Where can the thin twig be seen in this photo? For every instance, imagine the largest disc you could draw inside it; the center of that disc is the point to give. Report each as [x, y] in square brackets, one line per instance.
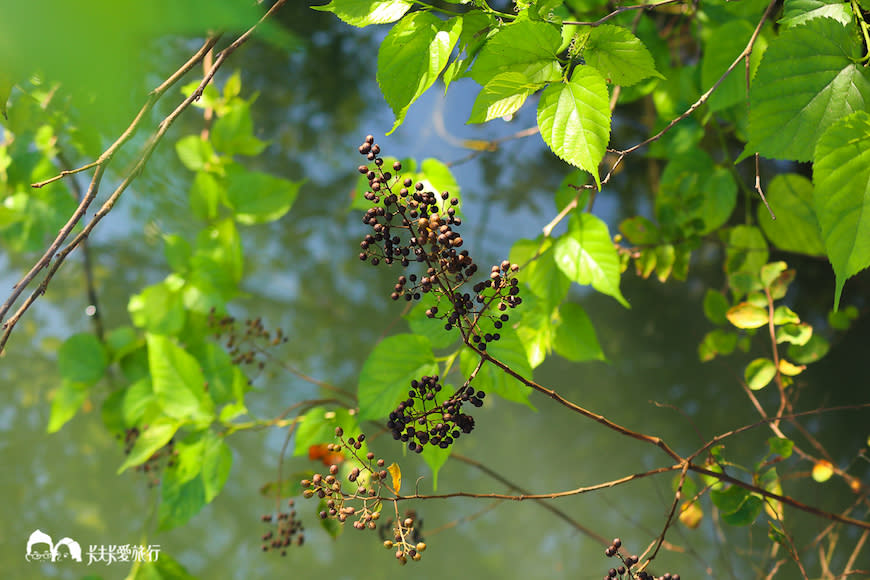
[619, 11]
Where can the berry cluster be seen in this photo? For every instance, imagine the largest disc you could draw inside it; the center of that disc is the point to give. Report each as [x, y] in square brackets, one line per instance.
[407, 538]
[367, 481]
[247, 345]
[151, 466]
[420, 419]
[289, 530]
[628, 562]
[409, 225]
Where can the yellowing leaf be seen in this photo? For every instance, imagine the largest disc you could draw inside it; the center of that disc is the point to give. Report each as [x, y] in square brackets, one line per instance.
[822, 471]
[789, 369]
[745, 315]
[691, 515]
[396, 475]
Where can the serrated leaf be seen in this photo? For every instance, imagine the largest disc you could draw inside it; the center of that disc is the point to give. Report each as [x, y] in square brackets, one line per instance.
[841, 198]
[586, 255]
[619, 55]
[177, 380]
[575, 337]
[720, 50]
[799, 11]
[759, 373]
[807, 81]
[412, 56]
[388, 372]
[745, 315]
[574, 119]
[796, 228]
[503, 95]
[362, 13]
[82, 358]
[525, 47]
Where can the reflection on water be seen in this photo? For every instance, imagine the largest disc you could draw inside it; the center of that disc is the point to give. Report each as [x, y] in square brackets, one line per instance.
[304, 277]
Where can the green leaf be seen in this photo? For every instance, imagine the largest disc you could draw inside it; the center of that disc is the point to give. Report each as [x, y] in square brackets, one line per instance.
[158, 309]
[759, 373]
[82, 358]
[695, 196]
[431, 328]
[730, 499]
[785, 315]
[318, 427]
[491, 379]
[640, 231]
[501, 96]
[808, 80]
[205, 193]
[189, 459]
[780, 446]
[412, 56]
[619, 55]
[137, 399]
[746, 251]
[164, 567]
[388, 371]
[814, 349]
[180, 500]
[217, 260]
[437, 177]
[841, 197]
[574, 119]
[362, 13]
[715, 343]
[542, 274]
[842, 319]
[178, 380]
[66, 401]
[152, 438]
[720, 50]
[746, 513]
[745, 315]
[177, 251]
[665, 258]
[435, 458]
[233, 132]
[535, 330]
[258, 198]
[195, 152]
[587, 256]
[796, 228]
[217, 461]
[715, 306]
[799, 11]
[524, 47]
[575, 335]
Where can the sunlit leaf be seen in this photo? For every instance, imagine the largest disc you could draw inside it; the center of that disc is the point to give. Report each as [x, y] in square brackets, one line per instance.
[574, 119]
[395, 477]
[790, 369]
[587, 256]
[65, 403]
[640, 231]
[619, 55]
[82, 358]
[841, 176]
[503, 95]
[152, 438]
[797, 334]
[524, 47]
[362, 13]
[815, 348]
[715, 343]
[259, 197]
[388, 371]
[745, 315]
[807, 81]
[538, 269]
[691, 514]
[822, 470]
[178, 380]
[799, 11]
[412, 56]
[509, 350]
[575, 337]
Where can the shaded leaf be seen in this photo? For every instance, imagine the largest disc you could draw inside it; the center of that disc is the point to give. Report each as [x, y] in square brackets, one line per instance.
[259, 197]
[388, 372]
[82, 358]
[575, 337]
[796, 228]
